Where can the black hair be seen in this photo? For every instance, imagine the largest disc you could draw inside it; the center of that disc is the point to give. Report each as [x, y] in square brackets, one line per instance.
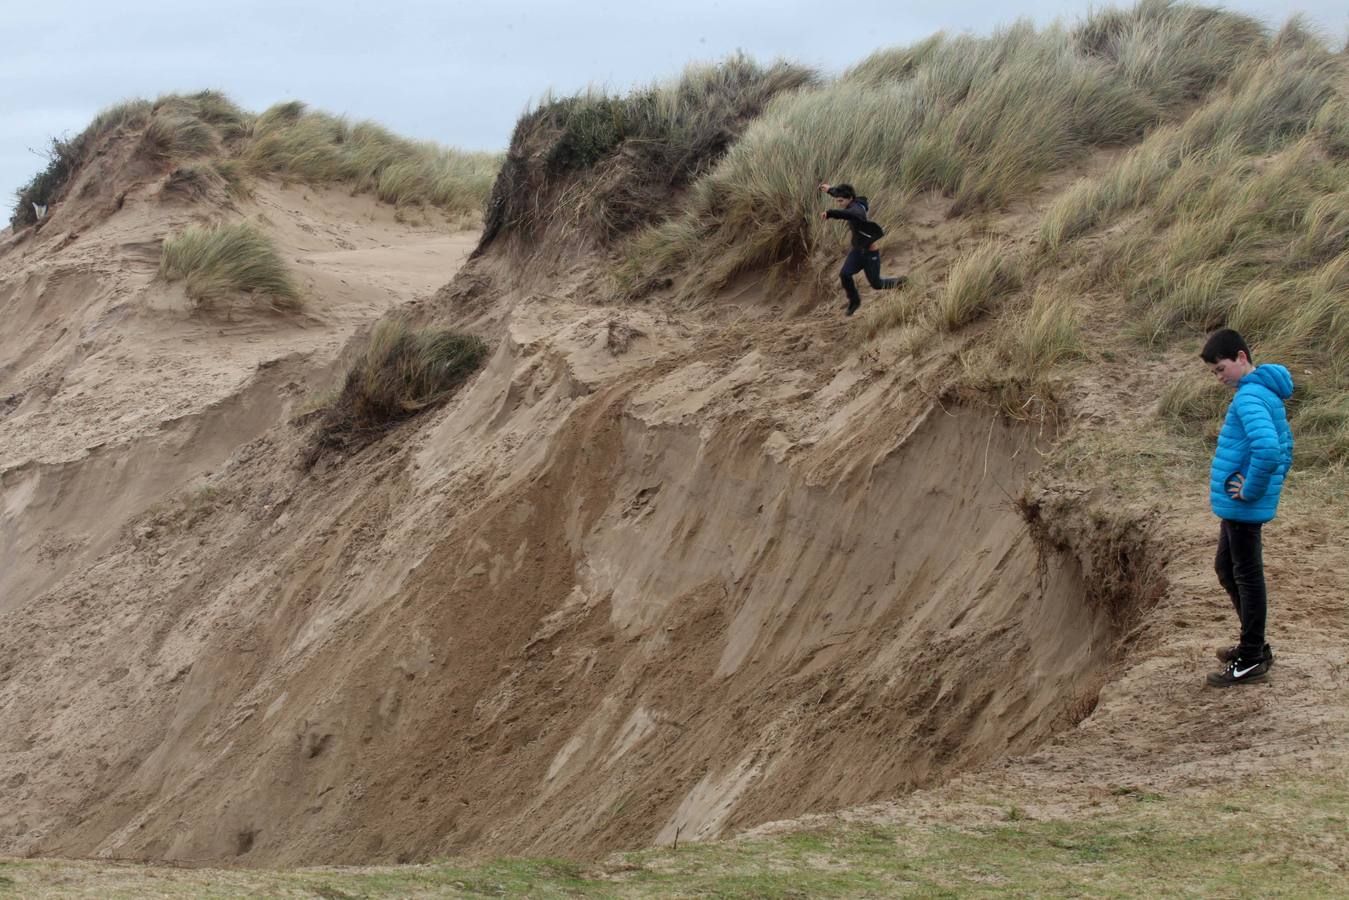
[1224, 344]
[843, 190]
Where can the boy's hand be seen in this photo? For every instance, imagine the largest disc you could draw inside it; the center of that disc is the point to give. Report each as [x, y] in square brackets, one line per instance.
[824, 186]
[824, 215]
[1234, 486]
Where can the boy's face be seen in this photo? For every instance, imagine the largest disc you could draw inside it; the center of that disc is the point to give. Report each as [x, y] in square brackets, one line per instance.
[842, 202]
[1231, 371]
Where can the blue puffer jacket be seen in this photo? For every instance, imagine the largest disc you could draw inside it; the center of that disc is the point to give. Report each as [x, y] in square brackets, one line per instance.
[1256, 442]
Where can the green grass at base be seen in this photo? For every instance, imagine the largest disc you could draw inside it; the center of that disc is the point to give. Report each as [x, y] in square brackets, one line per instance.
[1287, 838]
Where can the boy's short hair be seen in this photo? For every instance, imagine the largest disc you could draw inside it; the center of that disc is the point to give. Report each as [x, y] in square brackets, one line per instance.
[1225, 343]
[843, 190]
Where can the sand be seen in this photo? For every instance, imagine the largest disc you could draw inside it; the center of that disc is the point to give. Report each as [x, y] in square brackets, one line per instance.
[119, 392]
[654, 570]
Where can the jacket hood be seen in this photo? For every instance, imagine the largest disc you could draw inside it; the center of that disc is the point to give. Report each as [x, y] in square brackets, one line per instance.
[861, 200]
[1274, 377]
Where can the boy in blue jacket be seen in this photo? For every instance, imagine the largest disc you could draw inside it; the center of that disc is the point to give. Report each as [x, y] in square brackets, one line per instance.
[1255, 449]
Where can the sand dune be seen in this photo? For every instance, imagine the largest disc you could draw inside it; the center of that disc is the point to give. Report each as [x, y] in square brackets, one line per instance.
[120, 393]
[667, 564]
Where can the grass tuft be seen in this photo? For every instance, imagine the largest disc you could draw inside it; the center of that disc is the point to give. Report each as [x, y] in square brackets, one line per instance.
[177, 137]
[908, 307]
[401, 372]
[1323, 431]
[1046, 335]
[975, 284]
[193, 181]
[1195, 401]
[224, 260]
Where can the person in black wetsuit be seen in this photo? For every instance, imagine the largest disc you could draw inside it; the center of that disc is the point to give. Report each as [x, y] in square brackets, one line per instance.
[864, 255]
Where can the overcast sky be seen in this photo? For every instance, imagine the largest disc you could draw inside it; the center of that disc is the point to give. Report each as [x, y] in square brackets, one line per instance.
[458, 73]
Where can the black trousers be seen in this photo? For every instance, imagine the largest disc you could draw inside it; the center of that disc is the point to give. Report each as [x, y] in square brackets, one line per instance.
[1241, 571]
[869, 262]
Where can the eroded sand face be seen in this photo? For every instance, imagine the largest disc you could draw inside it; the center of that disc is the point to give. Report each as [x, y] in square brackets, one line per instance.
[599, 598]
[118, 392]
[653, 571]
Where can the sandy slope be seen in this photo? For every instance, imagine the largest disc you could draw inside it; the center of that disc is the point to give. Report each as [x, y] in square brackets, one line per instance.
[653, 570]
[119, 393]
[604, 578]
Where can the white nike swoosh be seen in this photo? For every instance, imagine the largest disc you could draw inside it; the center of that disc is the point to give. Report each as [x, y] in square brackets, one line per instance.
[1238, 673]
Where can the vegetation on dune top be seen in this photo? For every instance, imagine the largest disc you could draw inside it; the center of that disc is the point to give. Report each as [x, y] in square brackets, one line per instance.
[1257, 244]
[320, 148]
[979, 119]
[174, 126]
[602, 165]
[286, 139]
[1238, 217]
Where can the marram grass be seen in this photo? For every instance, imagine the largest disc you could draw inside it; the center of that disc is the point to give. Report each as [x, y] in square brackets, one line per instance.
[981, 120]
[219, 261]
[402, 371]
[319, 148]
[287, 140]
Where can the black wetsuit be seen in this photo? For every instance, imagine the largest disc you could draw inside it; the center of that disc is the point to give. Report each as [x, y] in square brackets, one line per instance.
[860, 257]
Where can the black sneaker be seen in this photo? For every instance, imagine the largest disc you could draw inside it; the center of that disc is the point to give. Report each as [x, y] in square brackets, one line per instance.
[853, 306]
[1239, 672]
[1232, 653]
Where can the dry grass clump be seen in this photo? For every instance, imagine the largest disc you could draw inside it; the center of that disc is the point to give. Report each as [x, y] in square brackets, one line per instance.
[1195, 402]
[231, 172]
[978, 119]
[1323, 430]
[1231, 229]
[1276, 282]
[977, 281]
[1132, 183]
[187, 126]
[200, 179]
[1177, 50]
[212, 108]
[908, 307]
[320, 148]
[1016, 364]
[1045, 335]
[1268, 102]
[401, 372]
[1265, 252]
[178, 137]
[193, 181]
[225, 260]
